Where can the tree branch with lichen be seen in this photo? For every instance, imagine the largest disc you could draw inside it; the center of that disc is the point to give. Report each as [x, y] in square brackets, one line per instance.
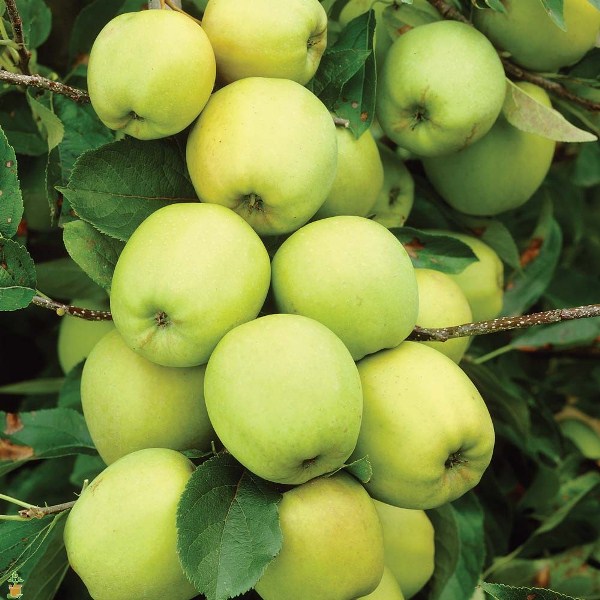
[516, 72]
[17, 27]
[43, 83]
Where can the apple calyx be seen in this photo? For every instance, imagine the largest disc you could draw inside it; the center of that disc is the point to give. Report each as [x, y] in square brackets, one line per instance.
[162, 319]
[309, 462]
[456, 459]
[253, 202]
[419, 114]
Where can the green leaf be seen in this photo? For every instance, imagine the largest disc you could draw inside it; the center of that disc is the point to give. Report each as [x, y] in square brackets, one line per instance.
[554, 8]
[70, 392]
[64, 278]
[50, 126]
[86, 467]
[42, 434]
[361, 469]
[118, 185]
[587, 166]
[395, 17]
[17, 276]
[21, 540]
[434, 251]
[581, 332]
[527, 114]
[19, 127]
[11, 201]
[44, 385]
[93, 251]
[595, 3]
[507, 592]
[37, 22]
[228, 528]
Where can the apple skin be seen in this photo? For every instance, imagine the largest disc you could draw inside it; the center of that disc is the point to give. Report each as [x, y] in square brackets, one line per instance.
[266, 38]
[482, 282]
[150, 73]
[352, 275]
[534, 40]
[293, 410]
[266, 148]
[77, 337]
[316, 561]
[130, 403]
[121, 535]
[388, 588]
[408, 541]
[396, 198]
[189, 273]
[359, 176]
[442, 304]
[429, 438]
[441, 88]
[499, 172]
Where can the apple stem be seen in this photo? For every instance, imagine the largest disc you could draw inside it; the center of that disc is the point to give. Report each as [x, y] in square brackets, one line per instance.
[15, 501]
[17, 27]
[449, 12]
[443, 334]
[39, 512]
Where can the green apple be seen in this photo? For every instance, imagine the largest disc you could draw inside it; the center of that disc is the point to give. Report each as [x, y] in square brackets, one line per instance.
[266, 38]
[408, 541]
[583, 436]
[292, 408]
[130, 403]
[121, 535]
[77, 337]
[388, 588]
[482, 282]
[266, 148]
[395, 200]
[441, 88]
[352, 275]
[442, 304]
[189, 273]
[150, 73]
[332, 543]
[534, 40]
[359, 176]
[425, 428]
[499, 172]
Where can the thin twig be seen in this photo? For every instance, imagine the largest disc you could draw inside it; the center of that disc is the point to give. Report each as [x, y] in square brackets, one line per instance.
[449, 12]
[39, 512]
[43, 83]
[443, 334]
[17, 27]
[340, 122]
[75, 311]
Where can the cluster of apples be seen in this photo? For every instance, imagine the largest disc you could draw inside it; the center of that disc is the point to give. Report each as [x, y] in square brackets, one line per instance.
[296, 364]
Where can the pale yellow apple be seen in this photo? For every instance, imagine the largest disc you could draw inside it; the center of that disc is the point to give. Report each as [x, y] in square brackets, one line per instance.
[121, 535]
[426, 429]
[130, 403]
[408, 540]
[352, 275]
[442, 303]
[150, 73]
[388, 588]
[267, 149]
[332, 543]
[359, 176]
[266, 38]
[77, 337]
[534, 40]
[499, 172]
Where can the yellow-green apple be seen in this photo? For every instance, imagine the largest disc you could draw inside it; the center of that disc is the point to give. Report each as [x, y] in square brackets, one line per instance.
[499, 172]
[266, 148]
[188, 274]
[352, 275]
[395, 200]
[77, 337]
[266, 38]
[293, 409]
[482, 282]
[121, 535]
[534, 40]
[441, 88]
[150, 73]
[425, 427]
[316, 560]
[388, 588]
[130, 403]
[408, 541]
[442, 304]
[358, 179]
